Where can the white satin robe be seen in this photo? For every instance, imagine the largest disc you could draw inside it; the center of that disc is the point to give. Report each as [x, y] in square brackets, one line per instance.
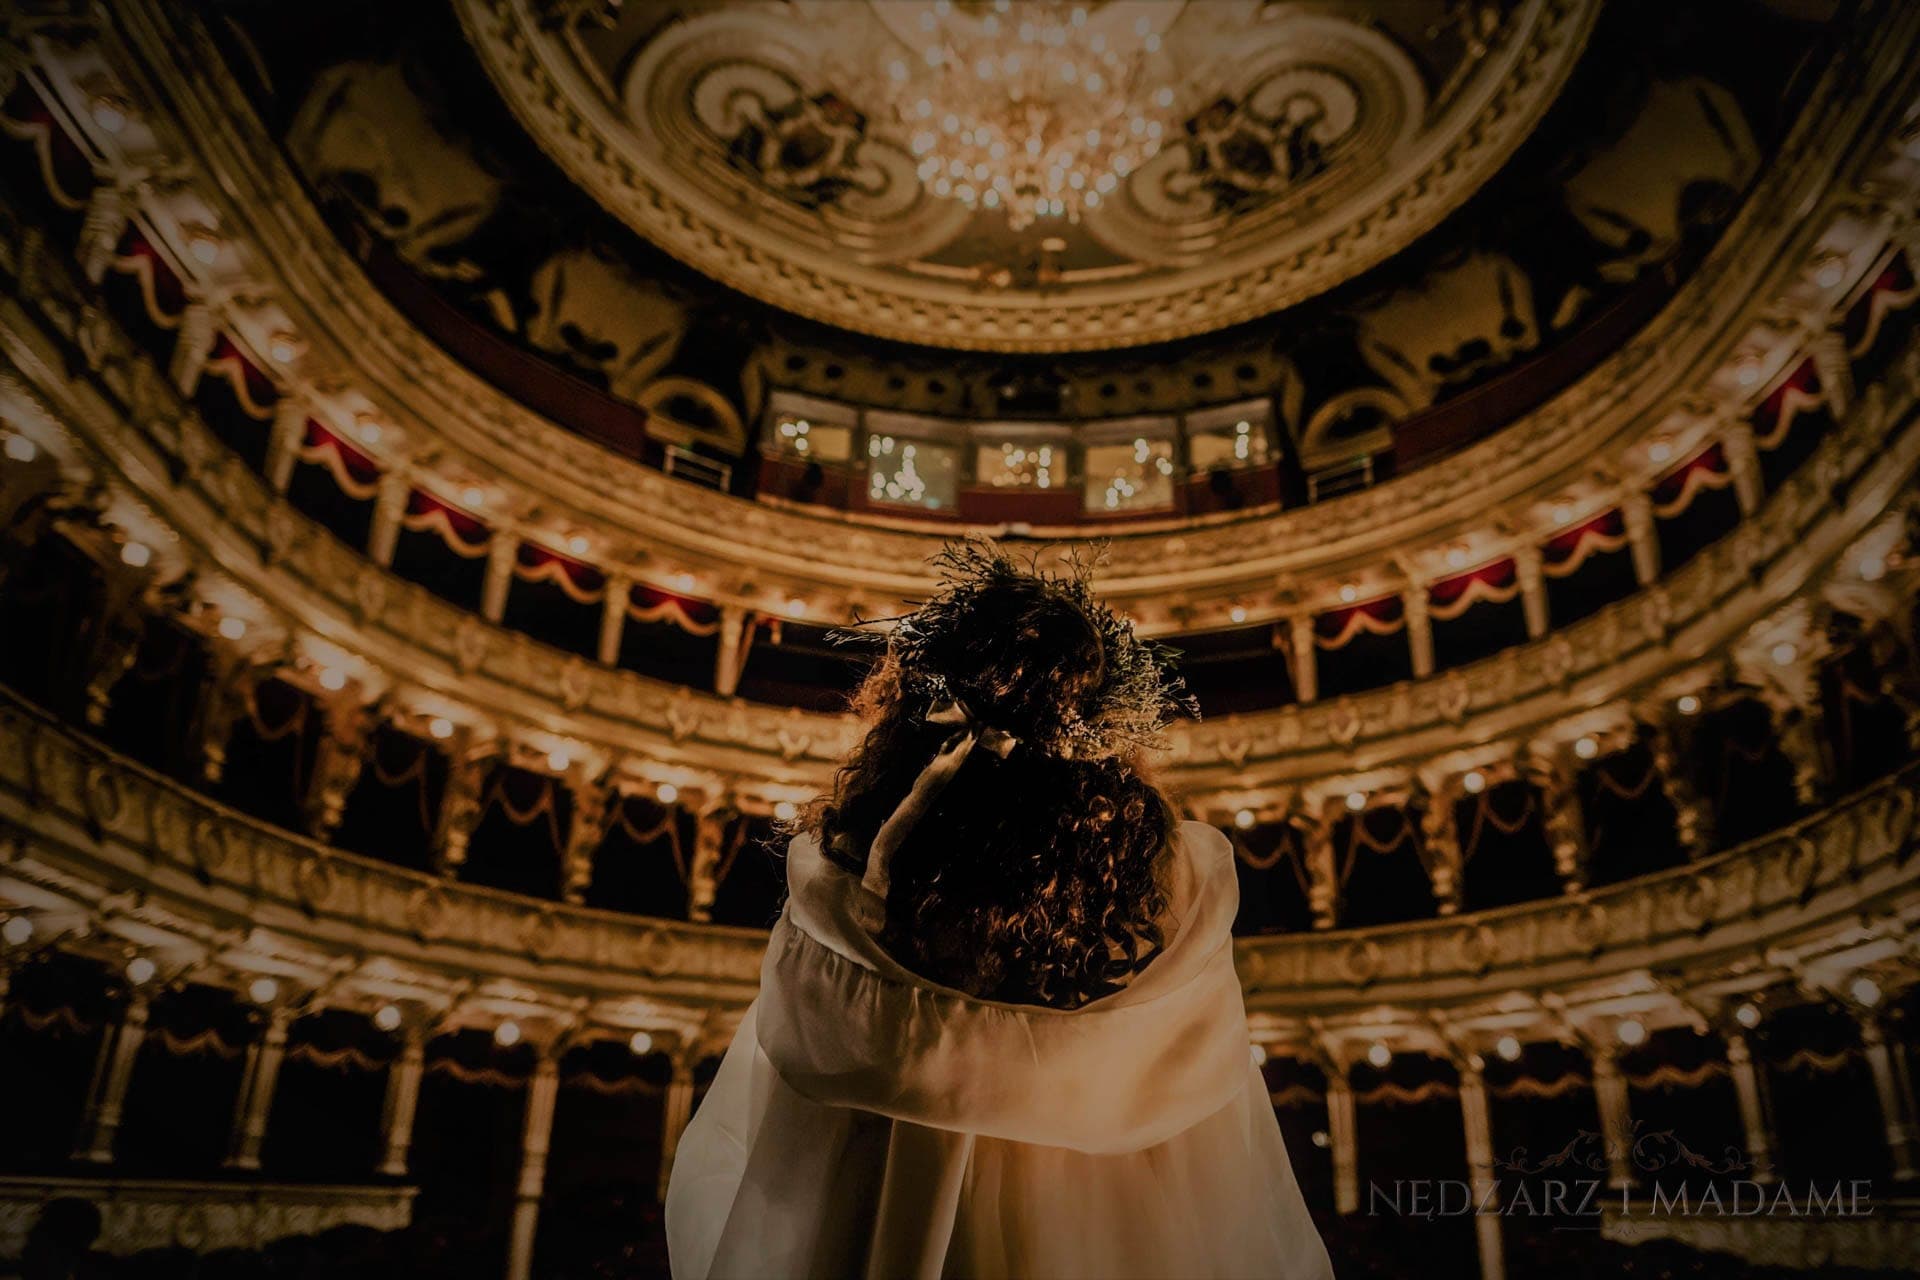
[868, 1123]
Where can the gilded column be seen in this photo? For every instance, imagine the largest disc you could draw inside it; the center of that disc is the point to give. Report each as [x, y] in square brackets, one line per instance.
[460, 807]
[1479, 1127]
[1440, 842]
[613, 619]
[727, 664]
[1750, 1092]
[536, 1135]
[1893, 1110]
[192, 344]
[101, 230]
[679, 1110]
[1323, 889]
[389, 509]
[1419, 628]
[402, 1100]
[1531, 571]
[1693, 818]
[1562, 817]
[592, 809]
[1616, 1121]
[1828, 348]
[257, 1082]
[283, 443]
[502, 551]
[112, 1072]
[339, 758]
[709, 842]
[1743, 462]
[1346, 1150]
[1643, 539]
[1306, 658]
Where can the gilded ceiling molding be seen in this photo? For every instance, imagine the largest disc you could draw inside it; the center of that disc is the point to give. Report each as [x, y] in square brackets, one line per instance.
[354, 339]
[1232, 278]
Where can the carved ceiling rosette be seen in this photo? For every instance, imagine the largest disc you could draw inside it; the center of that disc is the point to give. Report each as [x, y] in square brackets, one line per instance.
[808, 152]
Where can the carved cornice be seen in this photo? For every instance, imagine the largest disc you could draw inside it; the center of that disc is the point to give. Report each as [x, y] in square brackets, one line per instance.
[573, 122]
[355, 338]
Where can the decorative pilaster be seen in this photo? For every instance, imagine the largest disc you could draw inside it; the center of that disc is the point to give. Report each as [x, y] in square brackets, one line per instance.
[1306, 658]
[101, 230]
[107, 1096]
[389, 508]
[1797, 728]
[1419, 628]
[1344, 1139]
[283, 443]
[338, 760]
[192, 344]
[403, 1098]
[502, 551]
[613, 619]
[223, 700]
[1828, 350]
[592, 810]
[535, 1137]
[1751, 1093]
[679, 1110]
[1893, 1111]
[257, 1081]
[459, 811]
[728, 663]
[709, 843]
[1564, 822]
[1693, 819]
[1643, 539]
[1743, 463]
[1479, 1126]
[1323, 889]
[1440, 844]
[1531, 571]
[1616, 1121]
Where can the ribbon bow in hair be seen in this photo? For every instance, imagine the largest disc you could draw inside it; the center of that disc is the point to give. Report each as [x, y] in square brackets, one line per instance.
[967, 732]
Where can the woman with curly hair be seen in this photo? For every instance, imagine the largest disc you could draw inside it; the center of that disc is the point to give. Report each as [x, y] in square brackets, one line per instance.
[998, 1031]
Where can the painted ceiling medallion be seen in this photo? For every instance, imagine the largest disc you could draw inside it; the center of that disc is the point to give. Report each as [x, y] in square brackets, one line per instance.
[1166, 169]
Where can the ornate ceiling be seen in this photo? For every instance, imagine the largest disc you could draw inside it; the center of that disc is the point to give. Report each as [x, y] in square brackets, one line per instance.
[757, 144]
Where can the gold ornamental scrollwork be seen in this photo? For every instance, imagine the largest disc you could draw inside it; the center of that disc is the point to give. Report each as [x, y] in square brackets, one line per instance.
[208, 846]
[103, 798]
[313, 878]
[1896, 822]
[539, 931]
[1360, 962]
[1479, 949]
[1589, 927]
[427, 912]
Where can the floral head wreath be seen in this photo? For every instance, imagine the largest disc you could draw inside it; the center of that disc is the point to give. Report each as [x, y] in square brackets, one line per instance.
[1136, 699]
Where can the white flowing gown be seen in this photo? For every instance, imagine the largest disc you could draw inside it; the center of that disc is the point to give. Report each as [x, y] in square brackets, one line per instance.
[866, 1122]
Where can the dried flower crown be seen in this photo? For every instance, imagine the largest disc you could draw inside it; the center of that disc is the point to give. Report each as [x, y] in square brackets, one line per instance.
[1137, 698]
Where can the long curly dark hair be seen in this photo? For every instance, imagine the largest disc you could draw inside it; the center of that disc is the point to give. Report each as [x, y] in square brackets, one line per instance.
[1033, 878]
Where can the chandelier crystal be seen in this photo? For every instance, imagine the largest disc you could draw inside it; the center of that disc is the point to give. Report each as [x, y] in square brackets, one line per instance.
[1036, 108]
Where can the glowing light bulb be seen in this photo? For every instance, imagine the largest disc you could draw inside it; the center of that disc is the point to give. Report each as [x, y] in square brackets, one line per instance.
[332, 679]
[387, 1017]
[1872, 568]
[21, 449]
[17, 931]
[474, 496]
[110, 113]
[1474, 782]
[1631, 1032]
[1238, 613]
[1356, 800]
[1243, 819]
[1257, 1052]
[1784, 653]
[205, 248]
[1866, 991]
[1320, 1139]
[283, 347]
[667, 793]
[263, 990]
[232, 628]
[641, 1042]
[1378, 1054]
[1687, 704]
[507, 1034]
[1456, 557]
[140, 970]
[137, 554]
[1508, 1048]
[1747, 1015]
[440, 727]
[1831, 271]
[786, 811]
[1586, 748]
[558, 760]
[579, 544]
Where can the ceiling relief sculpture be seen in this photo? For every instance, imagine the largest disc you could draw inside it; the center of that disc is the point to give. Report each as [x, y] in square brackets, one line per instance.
[877, 166]
[1285, 121]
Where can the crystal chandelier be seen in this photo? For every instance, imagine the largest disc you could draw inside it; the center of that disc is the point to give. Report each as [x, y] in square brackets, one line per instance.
[1036, 108]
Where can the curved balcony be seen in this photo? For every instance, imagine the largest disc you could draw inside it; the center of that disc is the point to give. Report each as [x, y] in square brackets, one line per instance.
[346, 336]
